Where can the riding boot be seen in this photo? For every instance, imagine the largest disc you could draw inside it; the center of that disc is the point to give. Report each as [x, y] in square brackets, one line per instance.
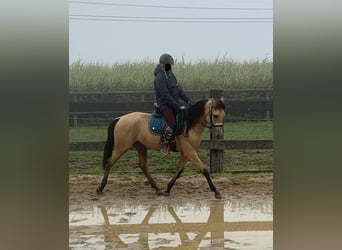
[166, 139]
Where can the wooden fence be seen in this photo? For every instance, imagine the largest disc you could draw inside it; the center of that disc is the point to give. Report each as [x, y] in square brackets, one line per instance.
[242, 104]
[205, 144]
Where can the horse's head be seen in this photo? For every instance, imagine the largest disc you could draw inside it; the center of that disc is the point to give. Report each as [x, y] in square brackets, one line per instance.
[215, 115]
[208, 113]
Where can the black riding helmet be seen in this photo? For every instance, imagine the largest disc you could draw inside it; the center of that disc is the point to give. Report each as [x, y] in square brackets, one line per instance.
[166, 59]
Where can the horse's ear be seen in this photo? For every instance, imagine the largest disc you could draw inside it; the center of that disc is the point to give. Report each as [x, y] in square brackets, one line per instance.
[220, 103]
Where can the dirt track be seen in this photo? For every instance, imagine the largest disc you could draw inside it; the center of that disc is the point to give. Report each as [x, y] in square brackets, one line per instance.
[82, 188]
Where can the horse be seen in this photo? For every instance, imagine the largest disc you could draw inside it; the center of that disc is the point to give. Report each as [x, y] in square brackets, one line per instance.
[131, 131]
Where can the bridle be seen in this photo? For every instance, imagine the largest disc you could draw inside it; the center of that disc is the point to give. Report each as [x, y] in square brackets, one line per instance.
[212, 124]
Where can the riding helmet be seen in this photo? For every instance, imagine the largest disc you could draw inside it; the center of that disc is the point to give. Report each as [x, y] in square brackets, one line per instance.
[166, 59]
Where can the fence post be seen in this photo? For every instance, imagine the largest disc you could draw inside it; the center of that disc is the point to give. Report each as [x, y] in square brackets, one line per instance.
[75, 99]
[216, 156]
[267, 111]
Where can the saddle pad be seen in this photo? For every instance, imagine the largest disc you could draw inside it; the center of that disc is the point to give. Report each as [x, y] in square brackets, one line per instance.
[156, 124]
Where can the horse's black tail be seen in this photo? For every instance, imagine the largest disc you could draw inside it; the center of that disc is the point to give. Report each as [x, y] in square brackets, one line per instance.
[108, 149]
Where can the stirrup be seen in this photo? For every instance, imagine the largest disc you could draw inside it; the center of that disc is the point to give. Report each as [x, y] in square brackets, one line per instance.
[165, 149]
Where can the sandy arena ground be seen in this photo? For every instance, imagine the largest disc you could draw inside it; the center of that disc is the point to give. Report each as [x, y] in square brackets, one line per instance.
[82, 188]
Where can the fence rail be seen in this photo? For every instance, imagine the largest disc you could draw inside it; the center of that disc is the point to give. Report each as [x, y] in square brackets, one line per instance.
[95, 107]
[242, 104]
[147, 93]
[205, 144]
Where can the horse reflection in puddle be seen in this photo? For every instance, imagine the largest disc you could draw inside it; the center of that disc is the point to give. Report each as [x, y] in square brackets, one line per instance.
[168, 226]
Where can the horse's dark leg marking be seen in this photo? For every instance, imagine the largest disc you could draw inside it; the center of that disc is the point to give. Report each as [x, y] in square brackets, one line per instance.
[153, 183]
[198, 163]
[180, 168]
[115, 156]
[104, 179]
[211, 184]
[172, 182]
[142, 151]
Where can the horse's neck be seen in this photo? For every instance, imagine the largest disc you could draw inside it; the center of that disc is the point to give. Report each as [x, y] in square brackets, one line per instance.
[199, 128]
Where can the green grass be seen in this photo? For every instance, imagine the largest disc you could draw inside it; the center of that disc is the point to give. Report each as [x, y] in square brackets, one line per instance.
[234, 160]
[232, 131]
[248, 130]
[90, 162]
[84, 134]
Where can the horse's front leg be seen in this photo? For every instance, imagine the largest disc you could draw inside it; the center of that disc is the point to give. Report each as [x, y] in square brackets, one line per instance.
[180, 168]
[193, 157]
[211, 184]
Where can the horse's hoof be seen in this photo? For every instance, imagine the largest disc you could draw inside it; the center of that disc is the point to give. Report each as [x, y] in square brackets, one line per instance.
[158, 192]
[218, 196]
[167, 193]
[98, 191]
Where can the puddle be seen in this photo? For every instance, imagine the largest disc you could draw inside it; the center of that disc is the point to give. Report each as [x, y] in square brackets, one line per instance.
[188, 225]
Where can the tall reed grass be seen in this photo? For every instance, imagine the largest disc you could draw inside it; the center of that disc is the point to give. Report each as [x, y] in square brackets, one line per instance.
[221, 73]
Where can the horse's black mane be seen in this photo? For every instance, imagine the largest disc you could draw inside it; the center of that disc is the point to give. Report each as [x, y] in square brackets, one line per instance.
[195, 112]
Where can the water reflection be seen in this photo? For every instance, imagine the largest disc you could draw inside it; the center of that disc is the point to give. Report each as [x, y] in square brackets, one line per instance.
[216, 224]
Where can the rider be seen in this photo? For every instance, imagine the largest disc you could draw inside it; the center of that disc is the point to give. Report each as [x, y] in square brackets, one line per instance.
[168, 91]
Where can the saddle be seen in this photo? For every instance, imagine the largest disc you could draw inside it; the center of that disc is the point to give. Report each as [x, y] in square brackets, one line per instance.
[157, 123]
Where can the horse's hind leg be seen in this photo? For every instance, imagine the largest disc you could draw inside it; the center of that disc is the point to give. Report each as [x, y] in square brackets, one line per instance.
[142, 151]
[115, 156]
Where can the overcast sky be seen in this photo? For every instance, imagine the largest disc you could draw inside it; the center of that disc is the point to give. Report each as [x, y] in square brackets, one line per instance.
[239, 30]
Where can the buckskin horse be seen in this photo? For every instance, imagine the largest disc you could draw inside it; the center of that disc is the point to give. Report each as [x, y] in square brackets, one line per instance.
[132, 131]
